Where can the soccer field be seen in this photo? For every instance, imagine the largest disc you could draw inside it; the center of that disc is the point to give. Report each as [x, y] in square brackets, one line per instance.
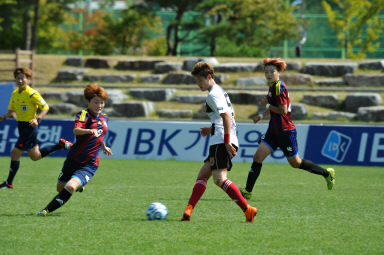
[297, 214]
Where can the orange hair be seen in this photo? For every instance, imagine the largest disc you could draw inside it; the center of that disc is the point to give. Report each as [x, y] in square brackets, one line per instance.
[22, 70]
[277, 62]
[93, 90]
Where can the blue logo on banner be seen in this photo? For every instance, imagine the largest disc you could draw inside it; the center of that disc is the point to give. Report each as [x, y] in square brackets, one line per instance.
[111, 136]
[336, 146]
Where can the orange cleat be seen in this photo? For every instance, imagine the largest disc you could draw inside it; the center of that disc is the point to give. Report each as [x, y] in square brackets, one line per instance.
[187, 213]
[250, 213]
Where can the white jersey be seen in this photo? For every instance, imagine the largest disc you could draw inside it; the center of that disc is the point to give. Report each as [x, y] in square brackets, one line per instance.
[218, 102]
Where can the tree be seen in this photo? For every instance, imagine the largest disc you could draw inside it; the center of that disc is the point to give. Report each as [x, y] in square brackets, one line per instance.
[132, 28]
[21, 20]
[180, 7]
[248, 27]
[356, 24]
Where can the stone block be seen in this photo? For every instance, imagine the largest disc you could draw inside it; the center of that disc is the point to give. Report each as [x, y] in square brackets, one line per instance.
[151, 78]
[153, 94]
[165, 67]
[179, 78]
[373, 113]
[54, 95]
[62, 108]
[74, 61]
[372, 65]
[329, 69]
[98, 63]
[110, 77]
[76, 97]
[299, 111]
[296, 78]
[246, 97]
[170, 113]
[235, 67]
[75, 74]
[137, 65]
[250, 81]
[329, 101]
[376, 80]
[134, 109]
[353, 101]
[190, 99]
[189, 63]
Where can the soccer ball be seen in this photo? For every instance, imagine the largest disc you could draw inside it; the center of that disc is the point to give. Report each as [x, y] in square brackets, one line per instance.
[157, 211]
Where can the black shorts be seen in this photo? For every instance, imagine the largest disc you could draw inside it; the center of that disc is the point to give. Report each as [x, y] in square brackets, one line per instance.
[218, 157]
[27, 136]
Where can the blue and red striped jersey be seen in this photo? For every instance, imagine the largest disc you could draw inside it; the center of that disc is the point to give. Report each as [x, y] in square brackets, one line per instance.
[86, 149]
[278, 95]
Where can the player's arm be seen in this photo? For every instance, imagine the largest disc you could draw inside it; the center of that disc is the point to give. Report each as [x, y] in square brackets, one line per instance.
[106, 149]
[227, 131]
[85, 131]
[39, 118]
[281, 109]
[9, 114]
[205, 131]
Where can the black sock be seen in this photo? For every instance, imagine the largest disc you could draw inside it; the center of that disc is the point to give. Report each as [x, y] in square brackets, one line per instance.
[49, 149]
[59, 200]
[253, 175]
[12, 171]
[311, 167]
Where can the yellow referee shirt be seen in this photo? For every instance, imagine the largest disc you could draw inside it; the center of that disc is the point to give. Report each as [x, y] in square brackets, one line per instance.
[25, 104]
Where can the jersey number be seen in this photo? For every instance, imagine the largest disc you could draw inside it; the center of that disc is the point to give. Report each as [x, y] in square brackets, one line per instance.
[227, 99]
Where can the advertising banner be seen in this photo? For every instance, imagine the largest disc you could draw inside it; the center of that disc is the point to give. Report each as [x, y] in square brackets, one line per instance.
[347, 145]
[164, 140]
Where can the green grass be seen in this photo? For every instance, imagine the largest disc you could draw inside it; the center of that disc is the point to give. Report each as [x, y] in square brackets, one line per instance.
[297, 214]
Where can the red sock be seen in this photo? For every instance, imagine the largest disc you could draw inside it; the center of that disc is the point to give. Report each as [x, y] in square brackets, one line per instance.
[233, 192]
[197, 192]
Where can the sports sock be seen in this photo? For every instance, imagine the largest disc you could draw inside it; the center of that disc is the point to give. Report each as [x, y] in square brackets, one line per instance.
[49, 149]
[253, 174]
[233, 192]
[59, 200]
[312, 168]
[198, 191]
[12, 171]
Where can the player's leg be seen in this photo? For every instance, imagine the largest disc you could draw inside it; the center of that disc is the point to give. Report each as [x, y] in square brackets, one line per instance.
[262, 152]
[289, 146]
[221, 180]
[64, 195]
[36, 153]
[14, 167]
[328, 174]
[198, 190]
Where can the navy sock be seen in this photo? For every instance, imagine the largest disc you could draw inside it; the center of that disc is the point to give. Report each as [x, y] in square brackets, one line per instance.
[59, 200]
[12, 171]
[49, 149]
[312, 168]
[253, 174]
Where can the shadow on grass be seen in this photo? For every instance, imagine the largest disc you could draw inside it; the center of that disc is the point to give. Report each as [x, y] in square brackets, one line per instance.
[29, 215]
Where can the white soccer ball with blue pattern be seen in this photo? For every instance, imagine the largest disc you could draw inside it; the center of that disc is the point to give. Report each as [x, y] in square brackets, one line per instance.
[157, 211]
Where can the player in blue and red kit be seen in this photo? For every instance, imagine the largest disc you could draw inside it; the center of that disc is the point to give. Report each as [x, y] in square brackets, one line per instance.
[82, 160]
[281, 130]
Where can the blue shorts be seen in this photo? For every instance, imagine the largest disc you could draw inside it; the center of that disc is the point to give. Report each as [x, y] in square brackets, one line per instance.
[286, 140]
[72, 169]
[27, 136]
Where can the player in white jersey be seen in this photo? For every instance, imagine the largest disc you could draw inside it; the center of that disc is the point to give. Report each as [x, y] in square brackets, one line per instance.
[223, 144]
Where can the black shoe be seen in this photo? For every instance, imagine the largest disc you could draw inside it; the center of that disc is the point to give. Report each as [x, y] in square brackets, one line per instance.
[5, 185]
